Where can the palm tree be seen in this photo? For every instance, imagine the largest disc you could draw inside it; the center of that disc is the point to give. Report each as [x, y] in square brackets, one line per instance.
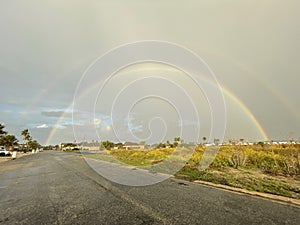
[26, 137]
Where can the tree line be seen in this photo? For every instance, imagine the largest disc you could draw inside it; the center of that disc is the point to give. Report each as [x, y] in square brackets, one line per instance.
[10, 140]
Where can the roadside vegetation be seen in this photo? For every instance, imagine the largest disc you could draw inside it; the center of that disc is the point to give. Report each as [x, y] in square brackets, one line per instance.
[269, 169]
[11, 143]
[264, 168]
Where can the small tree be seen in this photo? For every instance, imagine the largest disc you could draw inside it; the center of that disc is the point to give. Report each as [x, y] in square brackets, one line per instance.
[161, 145]
[2, 134]
[175, 144]
[33, 144]
[108, 145]
[177, 140]
[8, 140]
[26, 137]
[119, 145]
[168, 144]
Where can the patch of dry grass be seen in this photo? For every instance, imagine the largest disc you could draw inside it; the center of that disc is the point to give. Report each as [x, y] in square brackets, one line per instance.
[268, 169]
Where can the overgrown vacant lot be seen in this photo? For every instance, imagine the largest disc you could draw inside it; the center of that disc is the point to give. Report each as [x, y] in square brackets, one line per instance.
[269, 169]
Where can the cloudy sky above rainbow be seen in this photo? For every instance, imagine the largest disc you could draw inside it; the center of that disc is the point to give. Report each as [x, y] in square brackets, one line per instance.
[251, 46]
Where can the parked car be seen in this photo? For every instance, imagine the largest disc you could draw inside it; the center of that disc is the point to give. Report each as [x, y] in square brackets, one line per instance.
[4, 152]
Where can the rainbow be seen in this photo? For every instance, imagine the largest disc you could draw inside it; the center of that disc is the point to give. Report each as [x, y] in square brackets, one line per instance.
[58, 122]
[254, 75]
[246, 110]
[225, 91]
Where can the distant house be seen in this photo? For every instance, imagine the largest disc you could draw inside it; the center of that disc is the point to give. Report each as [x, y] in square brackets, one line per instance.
[132, 145]
[280, 142]
[209, 144]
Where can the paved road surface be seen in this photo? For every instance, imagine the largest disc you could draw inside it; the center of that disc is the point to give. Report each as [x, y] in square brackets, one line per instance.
[60, 188]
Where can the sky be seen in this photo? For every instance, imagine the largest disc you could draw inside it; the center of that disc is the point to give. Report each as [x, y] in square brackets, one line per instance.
[50, 82]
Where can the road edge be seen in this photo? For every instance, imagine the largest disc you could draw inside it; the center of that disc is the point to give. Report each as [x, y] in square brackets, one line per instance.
[277, 198]
[272, 197]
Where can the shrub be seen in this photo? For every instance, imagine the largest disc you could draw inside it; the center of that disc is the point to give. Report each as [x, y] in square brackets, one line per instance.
[237, 159]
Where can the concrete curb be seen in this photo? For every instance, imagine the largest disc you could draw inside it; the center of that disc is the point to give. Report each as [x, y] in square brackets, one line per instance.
[277, 198]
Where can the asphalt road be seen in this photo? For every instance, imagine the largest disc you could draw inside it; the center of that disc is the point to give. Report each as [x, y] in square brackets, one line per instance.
[60, 188]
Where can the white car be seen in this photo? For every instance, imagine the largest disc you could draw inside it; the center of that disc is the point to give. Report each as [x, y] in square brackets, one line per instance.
[4, 152]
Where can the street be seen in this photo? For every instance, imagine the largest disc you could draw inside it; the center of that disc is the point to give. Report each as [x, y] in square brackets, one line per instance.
[61, 188]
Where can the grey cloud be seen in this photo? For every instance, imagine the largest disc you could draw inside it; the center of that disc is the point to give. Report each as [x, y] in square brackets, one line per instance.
[56, 114]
